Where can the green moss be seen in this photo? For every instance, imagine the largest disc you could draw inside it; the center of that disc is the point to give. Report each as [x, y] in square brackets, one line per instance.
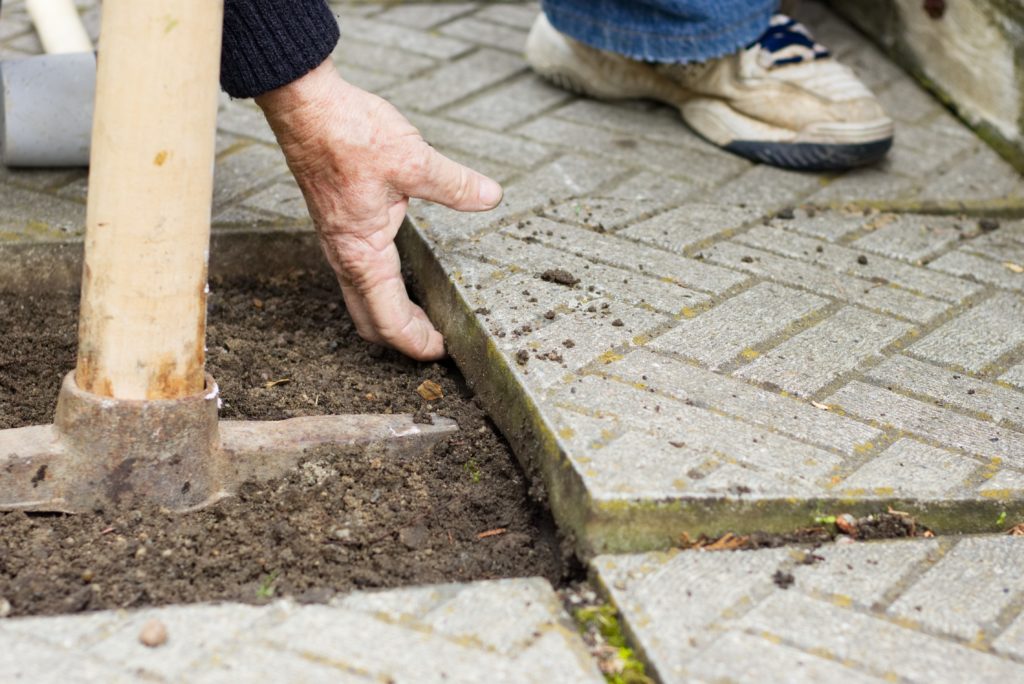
[604, 620]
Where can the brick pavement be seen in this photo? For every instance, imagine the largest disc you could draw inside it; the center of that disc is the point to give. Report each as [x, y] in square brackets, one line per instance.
[512, 631]
[934, 610]
[866, 352]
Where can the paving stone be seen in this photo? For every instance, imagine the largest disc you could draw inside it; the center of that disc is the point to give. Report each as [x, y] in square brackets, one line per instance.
[978, 337]
[403, 38]
[603, 214]
[982, 176]
[511, 103]
[502, 631]
[661, 122]
[690, 225]
[352, 52]
[867, 642]
[706, 169]
[911, 469]
[908, 102]
[827, 225]
[1014, 376]
[594, 334]
[1004, 484]
[648, 260]
[31, 216]
[718, 336]
[512, 14]
[262, 663]
[693, 613]
[282, 198]
[455, 80]
[966, 265]
[739, 657]
[818, 356]
[912, 237]
[596, 280]
[859, 263]
[651, 187]
[951, 388]
[427, 15]
[866, 184]
[863, 575]
[24, 659]
[766, 187]
[1004, 244]
[673, 602]
[827, 282]
[985, 571]
[245, 170]
[1012, 640]
[983, 439]
[721, 393]
[914, 153]
[757, 462]
[243, 118]
[473, 30]
[447, 135]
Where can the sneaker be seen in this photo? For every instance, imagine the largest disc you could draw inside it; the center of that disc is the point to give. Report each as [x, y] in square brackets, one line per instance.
[784, 100]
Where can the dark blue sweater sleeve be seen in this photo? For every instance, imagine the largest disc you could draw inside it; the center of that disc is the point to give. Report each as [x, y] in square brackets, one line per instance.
[270, 43]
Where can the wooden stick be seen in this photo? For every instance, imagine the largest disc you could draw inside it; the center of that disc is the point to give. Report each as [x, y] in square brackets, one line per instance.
[59, 26]
[143, 319]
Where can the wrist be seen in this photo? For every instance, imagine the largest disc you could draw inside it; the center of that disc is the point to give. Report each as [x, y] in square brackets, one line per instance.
[294, 109]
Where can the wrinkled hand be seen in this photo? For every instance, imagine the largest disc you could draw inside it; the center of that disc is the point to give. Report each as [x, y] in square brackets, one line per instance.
[358, 161]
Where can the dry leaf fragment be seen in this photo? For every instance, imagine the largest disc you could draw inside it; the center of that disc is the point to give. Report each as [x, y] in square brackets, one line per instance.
[492, 533]
[275, 383]
[819, 405]
[1016, 531]
[430, 390]
[1015, 268]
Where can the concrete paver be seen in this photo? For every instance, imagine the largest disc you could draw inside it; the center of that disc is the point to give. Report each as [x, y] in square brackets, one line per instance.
[911, 610]
[500, 631]
[750, 348]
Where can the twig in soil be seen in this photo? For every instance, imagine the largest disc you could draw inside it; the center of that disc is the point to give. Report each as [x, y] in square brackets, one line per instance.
[492, 533]
[274, 383]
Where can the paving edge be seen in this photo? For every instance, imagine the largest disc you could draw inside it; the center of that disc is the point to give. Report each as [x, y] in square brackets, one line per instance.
[622, 526]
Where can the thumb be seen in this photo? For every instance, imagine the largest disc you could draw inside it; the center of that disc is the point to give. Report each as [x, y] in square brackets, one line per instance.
[446, 182]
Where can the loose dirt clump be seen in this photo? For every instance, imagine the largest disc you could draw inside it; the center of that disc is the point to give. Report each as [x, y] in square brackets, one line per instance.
[278, 349]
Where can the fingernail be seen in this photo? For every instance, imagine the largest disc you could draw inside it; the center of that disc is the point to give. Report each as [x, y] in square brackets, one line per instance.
[490, 192]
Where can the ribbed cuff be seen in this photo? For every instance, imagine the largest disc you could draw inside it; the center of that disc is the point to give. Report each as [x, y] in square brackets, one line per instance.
[270, 43]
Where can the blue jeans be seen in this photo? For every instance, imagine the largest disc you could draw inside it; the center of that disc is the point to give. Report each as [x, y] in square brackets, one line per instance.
[662, 30]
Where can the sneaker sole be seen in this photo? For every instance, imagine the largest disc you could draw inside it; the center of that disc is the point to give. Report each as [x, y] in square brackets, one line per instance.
[811, 156]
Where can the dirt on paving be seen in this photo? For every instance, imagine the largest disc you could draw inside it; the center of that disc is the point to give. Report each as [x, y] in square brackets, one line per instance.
[278, 349]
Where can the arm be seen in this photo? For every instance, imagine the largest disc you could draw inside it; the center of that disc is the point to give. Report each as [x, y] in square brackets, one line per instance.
[358, 161]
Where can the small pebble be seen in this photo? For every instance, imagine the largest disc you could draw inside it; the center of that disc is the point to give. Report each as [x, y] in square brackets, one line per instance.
[618, 323]
[5, 608]
[153, 634]
[862, 260]
[988, 225]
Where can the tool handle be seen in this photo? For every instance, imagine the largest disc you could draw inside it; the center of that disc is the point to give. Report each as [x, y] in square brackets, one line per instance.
[59, 27]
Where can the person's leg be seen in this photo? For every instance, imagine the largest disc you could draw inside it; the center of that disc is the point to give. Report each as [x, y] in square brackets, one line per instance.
[674, 31]
[771, 94]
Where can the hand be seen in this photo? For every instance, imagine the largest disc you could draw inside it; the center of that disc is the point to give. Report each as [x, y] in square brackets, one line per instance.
[357, 161]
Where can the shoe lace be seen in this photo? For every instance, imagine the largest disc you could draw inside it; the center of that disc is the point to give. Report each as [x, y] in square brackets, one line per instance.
[785, 42]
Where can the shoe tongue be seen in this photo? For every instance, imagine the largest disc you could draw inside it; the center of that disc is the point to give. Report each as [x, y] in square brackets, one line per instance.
[786, 42]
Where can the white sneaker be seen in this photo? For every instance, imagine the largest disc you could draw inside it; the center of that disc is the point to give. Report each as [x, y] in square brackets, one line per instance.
[783, 101]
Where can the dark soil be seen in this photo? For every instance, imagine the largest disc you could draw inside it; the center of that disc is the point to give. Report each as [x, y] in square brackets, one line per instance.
[278, 349]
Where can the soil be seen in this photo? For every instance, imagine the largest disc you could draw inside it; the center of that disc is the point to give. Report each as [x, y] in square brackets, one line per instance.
[278, 349]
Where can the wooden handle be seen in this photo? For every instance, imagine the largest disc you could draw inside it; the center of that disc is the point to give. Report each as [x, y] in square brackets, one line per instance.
[59, 26]
[143, 319]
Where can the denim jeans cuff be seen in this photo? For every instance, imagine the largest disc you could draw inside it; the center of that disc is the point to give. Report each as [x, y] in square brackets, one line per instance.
[689, 43]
